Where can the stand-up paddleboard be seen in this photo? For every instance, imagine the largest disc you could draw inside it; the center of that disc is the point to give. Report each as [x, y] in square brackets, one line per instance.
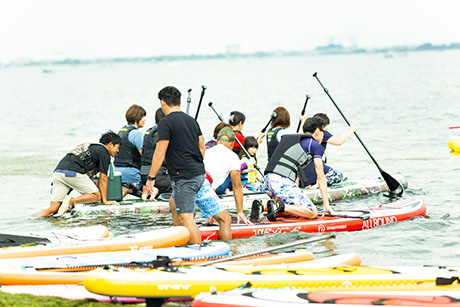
[70, 292]
[54, 236]
[342, 220]
[349, 259]
[29, 275]
[189, 281]
[158, 238]
[293, 298]
[133, 258]
[345, 189]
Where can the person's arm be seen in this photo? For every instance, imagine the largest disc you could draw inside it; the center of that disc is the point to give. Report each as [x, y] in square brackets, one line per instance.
[238, 195]
[337, 141]
[322, 184]
[103, 189]
[157, 161]
[201, 145]
[260, 138]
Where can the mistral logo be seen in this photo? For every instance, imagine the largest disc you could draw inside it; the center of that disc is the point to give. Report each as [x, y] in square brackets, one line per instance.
[163, 287]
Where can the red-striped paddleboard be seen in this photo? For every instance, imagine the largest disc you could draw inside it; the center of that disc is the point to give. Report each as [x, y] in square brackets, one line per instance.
[291, 297]
[343, 220]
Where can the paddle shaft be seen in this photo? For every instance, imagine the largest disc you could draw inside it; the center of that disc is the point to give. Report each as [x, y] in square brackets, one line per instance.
[270, 249]
[236, 139]
[271, 119]
[203, 89]
[302, 113]
[346, 120]
[189, 100]
[393, 184]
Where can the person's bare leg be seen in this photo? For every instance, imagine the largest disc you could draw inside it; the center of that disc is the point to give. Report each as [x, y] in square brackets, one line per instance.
[188, 220]
[89, 198]
[52, 209]
[225, 225]
[175, 217]
[301, 211]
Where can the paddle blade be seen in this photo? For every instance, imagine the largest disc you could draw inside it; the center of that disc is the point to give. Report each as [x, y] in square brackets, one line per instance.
[7, 239]
[393, 185]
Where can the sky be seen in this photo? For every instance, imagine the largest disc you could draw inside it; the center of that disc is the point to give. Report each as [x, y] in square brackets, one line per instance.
[59, 29]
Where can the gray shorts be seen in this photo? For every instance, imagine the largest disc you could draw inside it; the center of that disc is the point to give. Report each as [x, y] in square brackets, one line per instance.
[63, 183]
[184, 193]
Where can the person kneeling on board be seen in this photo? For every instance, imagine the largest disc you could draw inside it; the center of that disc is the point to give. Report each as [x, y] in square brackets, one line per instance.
[293, 154]
[75, 171]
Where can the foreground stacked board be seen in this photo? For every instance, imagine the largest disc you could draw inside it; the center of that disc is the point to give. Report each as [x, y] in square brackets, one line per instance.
[165, 237]
[345, 189]
[188, 282]
[292, 297]
[343, 220]
[54, 236]
[30, 275]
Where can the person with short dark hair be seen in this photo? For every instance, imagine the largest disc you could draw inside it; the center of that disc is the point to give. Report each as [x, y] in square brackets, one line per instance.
[128, 159]
[162, 180]
[180, 140]
[278, 127]
[286, 166]
[333, 175]
[75, 170]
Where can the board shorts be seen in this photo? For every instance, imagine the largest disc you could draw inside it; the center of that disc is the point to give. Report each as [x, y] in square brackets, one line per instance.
[333, 176]
[184, 193]
[286, 191]
[64, 181]
[207, 201]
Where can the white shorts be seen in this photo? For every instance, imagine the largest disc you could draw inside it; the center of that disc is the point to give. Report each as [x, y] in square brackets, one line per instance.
[63, 184]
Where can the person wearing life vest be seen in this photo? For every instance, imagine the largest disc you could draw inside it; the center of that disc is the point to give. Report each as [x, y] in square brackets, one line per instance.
[162, 180]
[278, 128]
[73, 171]
[128, 159]
[286, 166]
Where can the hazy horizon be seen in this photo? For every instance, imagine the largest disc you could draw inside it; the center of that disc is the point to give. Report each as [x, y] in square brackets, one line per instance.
[53, 29]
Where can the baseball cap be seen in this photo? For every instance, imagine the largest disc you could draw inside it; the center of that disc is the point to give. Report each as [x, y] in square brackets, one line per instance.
[226, 131]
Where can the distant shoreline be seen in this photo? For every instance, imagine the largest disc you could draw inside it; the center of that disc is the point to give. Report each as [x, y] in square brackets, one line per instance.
[321, 50]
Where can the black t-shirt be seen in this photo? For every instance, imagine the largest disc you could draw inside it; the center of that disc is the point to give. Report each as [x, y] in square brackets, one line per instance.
[100, 158]
[184, 157]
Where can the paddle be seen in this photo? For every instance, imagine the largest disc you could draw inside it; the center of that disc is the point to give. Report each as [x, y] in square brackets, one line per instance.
[270, 249]
[271, 119]
[236, 139]
[189, 100]
[7, 239]
[393, 185]
[302, 113]
[203, 89]
[360, 215]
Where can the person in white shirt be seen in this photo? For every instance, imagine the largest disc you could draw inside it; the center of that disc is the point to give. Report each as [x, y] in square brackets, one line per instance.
[223, 166]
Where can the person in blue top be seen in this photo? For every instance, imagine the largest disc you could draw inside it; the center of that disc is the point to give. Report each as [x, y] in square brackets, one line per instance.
[128, 159]
[333, 175]
[286, 167]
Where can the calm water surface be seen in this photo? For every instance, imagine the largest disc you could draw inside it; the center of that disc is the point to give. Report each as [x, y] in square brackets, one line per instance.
[402, 108]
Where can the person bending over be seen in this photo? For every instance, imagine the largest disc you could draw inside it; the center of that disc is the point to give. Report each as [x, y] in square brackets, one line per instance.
[75, 172]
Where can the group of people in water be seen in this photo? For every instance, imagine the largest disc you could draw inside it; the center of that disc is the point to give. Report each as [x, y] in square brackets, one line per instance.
[172, 156]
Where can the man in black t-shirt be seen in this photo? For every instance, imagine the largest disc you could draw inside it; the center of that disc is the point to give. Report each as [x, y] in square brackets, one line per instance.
[180, 140]
[73, 172]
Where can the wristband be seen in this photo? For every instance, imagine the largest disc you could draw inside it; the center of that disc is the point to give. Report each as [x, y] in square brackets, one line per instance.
[150, 178]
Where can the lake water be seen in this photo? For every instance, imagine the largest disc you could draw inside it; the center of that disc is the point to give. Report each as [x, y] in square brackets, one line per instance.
[402, 108]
